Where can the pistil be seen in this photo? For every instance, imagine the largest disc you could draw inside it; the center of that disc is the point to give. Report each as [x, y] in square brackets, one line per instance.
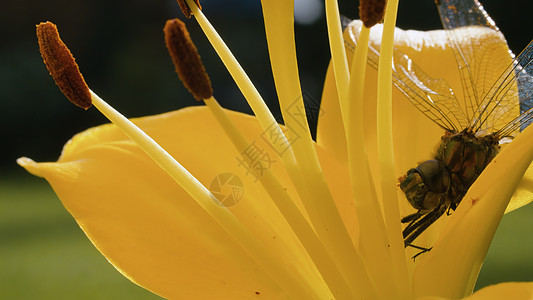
[338, 57]
[373, 236]
[188, 64]
[386, 153]
[278, 16]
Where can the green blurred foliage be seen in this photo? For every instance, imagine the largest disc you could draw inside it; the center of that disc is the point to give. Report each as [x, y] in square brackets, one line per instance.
[45, 255]
[119, 47]
[510, 254]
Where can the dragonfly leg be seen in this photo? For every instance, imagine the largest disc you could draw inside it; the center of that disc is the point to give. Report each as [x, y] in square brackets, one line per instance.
[412, 217]
[412, 231]
[422, 250]
[414, 222]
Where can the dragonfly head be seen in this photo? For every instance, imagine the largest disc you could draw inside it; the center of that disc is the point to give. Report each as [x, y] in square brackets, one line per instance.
[424, 185]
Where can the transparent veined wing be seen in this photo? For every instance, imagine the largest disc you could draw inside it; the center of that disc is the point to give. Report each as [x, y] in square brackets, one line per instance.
[525, 84]
[520, 78]
[479, 64]
[432, 96]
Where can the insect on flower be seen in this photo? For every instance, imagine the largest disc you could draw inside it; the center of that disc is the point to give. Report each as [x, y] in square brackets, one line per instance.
[476, 123]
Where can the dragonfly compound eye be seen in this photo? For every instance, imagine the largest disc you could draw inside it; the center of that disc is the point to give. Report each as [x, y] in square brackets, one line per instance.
[424, 185]
[435, 175]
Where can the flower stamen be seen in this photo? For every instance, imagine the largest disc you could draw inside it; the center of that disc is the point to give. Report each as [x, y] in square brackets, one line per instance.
[276, 136]
[371, 11]
[191, 185]
[62, 66]
[185, 8]
[187, 60]
[305, 233]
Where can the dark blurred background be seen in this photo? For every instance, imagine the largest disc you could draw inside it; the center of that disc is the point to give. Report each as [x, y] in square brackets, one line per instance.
[120, 49]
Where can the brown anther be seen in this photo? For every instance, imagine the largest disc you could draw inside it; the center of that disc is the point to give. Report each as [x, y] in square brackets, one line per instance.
[371, 11]
[62, 66]
[187, 60]
[186, 9]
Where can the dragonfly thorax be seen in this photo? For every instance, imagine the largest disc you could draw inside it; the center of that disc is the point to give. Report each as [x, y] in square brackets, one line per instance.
[444, 180]
[465, 156]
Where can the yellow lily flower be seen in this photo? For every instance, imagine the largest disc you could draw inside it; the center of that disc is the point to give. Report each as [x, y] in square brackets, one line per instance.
[272, 213]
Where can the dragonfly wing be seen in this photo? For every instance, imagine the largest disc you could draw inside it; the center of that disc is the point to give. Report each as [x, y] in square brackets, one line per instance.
[480, 62]
[525, 84]
[462, 13]
[519, 79]
[432, 96]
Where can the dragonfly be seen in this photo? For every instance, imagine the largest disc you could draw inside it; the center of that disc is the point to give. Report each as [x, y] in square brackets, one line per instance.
[475, 125]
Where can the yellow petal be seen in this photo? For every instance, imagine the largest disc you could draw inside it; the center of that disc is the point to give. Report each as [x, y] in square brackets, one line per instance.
[507, 290]
[330, 130]
[524, 192]
[151, 230]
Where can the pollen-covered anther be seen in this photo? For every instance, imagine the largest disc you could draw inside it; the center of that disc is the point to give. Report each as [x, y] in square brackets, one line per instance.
[187, 60]
[371, 11]
[185, 7]
[62, 66]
